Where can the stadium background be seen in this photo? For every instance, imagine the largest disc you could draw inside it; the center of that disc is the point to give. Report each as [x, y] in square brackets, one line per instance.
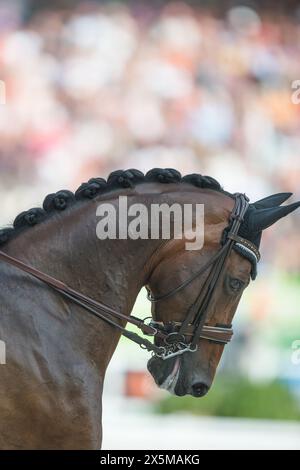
[205, 87]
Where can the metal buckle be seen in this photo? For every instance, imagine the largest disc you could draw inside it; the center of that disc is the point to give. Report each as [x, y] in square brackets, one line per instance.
[150, 325]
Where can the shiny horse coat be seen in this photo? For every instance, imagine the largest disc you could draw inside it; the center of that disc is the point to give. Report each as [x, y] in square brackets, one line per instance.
[56, 353]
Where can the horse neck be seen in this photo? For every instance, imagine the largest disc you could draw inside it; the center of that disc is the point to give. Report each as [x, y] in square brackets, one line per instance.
[66, 247]
[111, 271]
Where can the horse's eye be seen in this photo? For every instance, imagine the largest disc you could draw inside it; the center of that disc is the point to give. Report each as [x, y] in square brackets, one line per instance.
[236, 284]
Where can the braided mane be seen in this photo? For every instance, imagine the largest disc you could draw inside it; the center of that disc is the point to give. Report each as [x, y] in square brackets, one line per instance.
[64, 199]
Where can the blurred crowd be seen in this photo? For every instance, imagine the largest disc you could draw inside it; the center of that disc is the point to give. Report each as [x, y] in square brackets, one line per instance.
[100, 88]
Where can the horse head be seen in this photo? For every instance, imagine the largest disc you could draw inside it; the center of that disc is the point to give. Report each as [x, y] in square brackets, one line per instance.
[196, 316]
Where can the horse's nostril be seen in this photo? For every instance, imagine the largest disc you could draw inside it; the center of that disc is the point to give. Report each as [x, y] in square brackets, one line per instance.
[199, 389]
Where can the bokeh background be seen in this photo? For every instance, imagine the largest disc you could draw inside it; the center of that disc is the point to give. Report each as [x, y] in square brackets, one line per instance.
[205, 87]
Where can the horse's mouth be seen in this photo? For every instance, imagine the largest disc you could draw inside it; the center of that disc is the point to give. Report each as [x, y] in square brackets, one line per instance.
[165, 373]
[170, 382]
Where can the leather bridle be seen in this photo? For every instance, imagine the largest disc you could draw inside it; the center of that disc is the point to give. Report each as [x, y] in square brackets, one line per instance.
[176, 337]
[193, 325]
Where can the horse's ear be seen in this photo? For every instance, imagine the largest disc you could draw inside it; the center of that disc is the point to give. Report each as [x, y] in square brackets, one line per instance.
[261, 219]
[272, 201]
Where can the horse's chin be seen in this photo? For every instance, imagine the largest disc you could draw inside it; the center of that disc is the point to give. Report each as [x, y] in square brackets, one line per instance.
[167, 374]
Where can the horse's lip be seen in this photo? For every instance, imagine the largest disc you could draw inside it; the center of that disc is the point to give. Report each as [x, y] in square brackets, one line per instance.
[170, 382]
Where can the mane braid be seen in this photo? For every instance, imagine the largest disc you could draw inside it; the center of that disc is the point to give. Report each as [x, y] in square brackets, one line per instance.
[62, 200]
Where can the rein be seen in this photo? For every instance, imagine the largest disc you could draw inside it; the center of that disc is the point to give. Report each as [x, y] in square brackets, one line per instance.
[174, 338]
[94, 307]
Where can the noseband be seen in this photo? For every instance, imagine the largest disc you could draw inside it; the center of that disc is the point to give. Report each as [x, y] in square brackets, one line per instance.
[177, 337]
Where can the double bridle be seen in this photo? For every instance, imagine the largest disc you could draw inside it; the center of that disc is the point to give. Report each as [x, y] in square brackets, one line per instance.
[176, 337]
[193, 325]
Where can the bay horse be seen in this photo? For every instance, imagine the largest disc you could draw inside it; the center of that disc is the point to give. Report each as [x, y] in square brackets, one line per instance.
[57, 354]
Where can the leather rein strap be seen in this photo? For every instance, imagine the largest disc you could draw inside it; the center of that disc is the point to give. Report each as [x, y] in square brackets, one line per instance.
[193, 325]
[94, 307]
